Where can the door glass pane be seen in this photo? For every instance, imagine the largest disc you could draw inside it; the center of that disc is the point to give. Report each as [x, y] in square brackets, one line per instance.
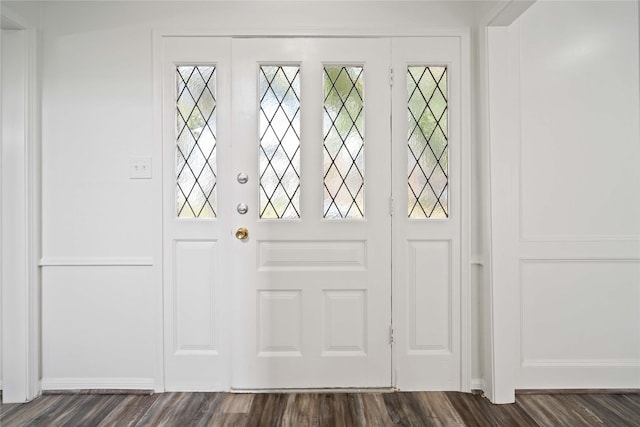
[428, 151]
[279, 141]
[343, 157]
[196, 141]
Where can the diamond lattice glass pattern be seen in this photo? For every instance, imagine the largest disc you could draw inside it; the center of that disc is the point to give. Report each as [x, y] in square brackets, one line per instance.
[196, 142]
[343, 142]
[279, 141]
[428, 152]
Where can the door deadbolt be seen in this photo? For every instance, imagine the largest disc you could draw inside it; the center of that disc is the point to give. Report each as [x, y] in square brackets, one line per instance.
[242, 178]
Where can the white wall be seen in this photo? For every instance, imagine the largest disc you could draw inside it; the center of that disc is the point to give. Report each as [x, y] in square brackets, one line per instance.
[100, 313]
[565, 173]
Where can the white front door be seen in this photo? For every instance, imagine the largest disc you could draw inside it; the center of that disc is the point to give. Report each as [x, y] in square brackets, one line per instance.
[279, 166]
[312, 281]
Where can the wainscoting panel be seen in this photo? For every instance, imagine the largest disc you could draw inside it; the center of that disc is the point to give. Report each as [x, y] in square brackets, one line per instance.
[580, 310]
[580, 318]
[98, 322]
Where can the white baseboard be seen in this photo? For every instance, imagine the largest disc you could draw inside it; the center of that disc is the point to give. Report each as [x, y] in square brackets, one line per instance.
[477, 384]
[580, 374]
[98, 384]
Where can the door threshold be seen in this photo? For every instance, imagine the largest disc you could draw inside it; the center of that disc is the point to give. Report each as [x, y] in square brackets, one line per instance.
[316, 390]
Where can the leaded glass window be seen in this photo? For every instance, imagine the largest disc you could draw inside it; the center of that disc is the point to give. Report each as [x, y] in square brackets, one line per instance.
[343, 126]
[428, 149]
[196, 141]
[279, 141]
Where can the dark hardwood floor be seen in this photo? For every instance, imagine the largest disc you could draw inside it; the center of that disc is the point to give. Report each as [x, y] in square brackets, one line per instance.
[322, 409]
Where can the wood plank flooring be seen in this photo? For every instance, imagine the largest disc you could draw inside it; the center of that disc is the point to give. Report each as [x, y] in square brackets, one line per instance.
[322, 409]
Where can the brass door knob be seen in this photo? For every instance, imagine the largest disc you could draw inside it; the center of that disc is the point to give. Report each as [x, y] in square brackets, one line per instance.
[242, 233]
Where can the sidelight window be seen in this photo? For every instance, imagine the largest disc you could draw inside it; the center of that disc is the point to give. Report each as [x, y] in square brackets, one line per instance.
[428, 148]
[196, 141]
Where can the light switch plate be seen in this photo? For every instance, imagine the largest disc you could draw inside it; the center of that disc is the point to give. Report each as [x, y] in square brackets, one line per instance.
[140, 168]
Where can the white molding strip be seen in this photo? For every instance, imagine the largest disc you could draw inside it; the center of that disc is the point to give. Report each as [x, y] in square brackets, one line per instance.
[96, 262]
[587, 260]
[314, 390]
[579, 239]
[604, 249]
[581, 363]
[235, 31]
[476, 260]
[477, 384]
[509, 12]
[98, 383]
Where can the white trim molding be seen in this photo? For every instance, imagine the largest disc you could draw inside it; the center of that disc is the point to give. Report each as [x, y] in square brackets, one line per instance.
[581, 363]
[477, 384]
[96, 262]
[510, 11]
[476, 260]
[98, 383]
[580, 374]
[21, 215]
[503, 128]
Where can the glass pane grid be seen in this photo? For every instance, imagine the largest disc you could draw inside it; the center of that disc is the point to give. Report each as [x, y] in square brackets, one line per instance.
[279, 141]
[196, 142]
[343, 142]
[428, 154]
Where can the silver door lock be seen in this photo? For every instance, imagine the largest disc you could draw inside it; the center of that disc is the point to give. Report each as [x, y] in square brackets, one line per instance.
[242, 208]
[242, 178]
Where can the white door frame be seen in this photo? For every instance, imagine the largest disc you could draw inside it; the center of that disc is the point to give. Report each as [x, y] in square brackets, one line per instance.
[462, 34]
[20, 216]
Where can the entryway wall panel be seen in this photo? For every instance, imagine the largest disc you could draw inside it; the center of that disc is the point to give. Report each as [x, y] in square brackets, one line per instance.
[598, 339]
[98, 327]
[579, 208]
[95, 118]
[566, 206]
[579, 122]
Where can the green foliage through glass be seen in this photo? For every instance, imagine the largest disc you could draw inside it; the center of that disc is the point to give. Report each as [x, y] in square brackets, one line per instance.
[428, 146]
[343, 158]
